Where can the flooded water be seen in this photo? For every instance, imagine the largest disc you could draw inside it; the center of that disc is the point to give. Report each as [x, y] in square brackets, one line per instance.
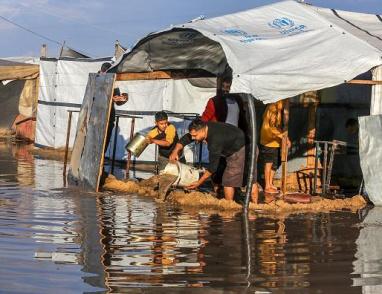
[58, 240]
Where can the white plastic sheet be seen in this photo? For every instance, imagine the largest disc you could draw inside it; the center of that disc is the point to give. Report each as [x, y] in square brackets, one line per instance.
[63, 82]
[370, 151]
[376, 93]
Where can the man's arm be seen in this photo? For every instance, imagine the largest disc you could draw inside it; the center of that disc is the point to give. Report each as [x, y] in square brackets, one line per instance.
[175, 153]
[170, 136]
[185, 140]
[209, 111]
[202, 179]
[214, 158]
[162, 143]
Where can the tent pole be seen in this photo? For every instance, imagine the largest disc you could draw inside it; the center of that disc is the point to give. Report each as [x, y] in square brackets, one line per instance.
[284, 146]
[252, 152]
[114, 145]
[67, 144]
[128, 163]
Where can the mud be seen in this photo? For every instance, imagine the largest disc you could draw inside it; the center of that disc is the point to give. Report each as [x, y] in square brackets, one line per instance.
[51, 153]
[6, 133]
[202, 200]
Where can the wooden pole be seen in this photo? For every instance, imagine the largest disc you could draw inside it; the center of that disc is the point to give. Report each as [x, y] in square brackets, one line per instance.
[155, 75]
[44, 51]
[284, 146]
[129, 153]
[311, 100]
[67, 145]
[364, 82]
[114, 145]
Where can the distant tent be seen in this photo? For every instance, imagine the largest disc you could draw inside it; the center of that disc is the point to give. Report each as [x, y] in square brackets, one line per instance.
[11, 70]
[71, 53]
[18, 97]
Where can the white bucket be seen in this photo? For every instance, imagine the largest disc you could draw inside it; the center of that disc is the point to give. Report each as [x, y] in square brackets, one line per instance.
[186, 174]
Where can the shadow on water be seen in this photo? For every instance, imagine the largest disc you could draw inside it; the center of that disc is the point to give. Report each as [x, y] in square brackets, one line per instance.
[67, 241]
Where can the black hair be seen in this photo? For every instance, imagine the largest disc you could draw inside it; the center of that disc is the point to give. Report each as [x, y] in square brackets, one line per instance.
[351, 122]
[227, 79]
[161, 115]
[105, 66]
[197, 124]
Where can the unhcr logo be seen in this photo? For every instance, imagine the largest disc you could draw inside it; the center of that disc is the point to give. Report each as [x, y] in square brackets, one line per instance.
[287, 27]
[282, 23]
[243, 36]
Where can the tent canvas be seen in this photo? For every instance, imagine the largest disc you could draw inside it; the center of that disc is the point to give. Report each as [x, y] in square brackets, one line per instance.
[276, 51]
[18, 91]
[62, 88]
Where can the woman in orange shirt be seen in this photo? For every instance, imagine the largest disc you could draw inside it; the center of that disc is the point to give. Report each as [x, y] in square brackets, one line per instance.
[271, 136]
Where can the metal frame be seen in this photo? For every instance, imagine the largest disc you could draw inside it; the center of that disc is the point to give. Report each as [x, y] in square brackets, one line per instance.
[329, 150]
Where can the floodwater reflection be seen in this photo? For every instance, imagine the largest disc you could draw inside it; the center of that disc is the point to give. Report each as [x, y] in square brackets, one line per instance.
[67, 241]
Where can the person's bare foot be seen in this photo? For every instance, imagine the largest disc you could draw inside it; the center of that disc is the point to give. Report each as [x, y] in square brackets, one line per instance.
[271, 190]
[268, 198]
[255, 193]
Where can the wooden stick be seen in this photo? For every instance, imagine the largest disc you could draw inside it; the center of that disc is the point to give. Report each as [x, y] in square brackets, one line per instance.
[284, 146]
[163, 74]
[155, 75]
[364, 82]
[129, 153]
[67, 145]
[114, 144]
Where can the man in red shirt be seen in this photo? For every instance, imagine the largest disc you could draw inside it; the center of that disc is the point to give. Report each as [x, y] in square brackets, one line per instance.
[218, 109]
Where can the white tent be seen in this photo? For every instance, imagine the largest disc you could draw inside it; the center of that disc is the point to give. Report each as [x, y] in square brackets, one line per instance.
[62, 87]
[275, 51]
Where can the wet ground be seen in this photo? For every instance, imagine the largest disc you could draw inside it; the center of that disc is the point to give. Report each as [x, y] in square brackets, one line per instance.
[58, 240]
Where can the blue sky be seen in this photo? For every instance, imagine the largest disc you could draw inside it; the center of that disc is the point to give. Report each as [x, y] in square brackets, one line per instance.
[92, 26]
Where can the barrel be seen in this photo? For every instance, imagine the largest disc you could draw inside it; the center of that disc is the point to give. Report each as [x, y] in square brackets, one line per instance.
[186, 174]
[137, 145]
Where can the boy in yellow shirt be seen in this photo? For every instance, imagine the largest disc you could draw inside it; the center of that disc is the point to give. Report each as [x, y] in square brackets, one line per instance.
[271, 136]
[165, 136]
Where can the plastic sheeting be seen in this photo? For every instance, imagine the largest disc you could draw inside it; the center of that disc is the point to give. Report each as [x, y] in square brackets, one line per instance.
[275, 51]
[9, 102]
[370, 142]
[62, 88]
[11, 70]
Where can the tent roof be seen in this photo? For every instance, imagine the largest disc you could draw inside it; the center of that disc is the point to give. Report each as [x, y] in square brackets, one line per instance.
[275, 51]
[12, 70]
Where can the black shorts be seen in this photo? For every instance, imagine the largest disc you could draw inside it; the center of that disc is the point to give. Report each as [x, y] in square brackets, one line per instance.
[270, 155]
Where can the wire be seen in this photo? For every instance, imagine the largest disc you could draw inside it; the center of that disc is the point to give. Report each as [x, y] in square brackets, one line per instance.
[30, 31]
[42, 36]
